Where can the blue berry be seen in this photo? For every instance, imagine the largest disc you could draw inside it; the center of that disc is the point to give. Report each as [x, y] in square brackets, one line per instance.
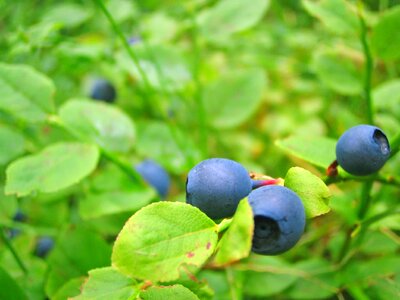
[216, 186]
[362, 150]
[155, 175]
[103, 90]
[43, 246]
[279, 219]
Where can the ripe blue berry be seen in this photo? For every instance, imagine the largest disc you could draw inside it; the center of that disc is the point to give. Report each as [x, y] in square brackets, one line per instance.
[43, 246]
[103, 90]
[216, 186]
[362, 150]
[155, 175]
[279, 219]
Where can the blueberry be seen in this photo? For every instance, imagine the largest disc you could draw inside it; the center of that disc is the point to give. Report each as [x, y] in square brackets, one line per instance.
[103, 90]
[155, 175]
[20, 216]
[43, 246]
[362, 150]
[279, 219]
[216, 186]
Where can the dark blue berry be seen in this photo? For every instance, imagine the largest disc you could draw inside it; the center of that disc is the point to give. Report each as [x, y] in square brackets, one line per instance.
[43, 246]
[362, 150]
[155, 175]
[216, 186]
[103, 90]
[279, 219]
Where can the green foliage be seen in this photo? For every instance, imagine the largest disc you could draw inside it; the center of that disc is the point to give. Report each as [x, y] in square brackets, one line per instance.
[311, 190]
[235, 244]
[230, 16]
[54, 168]
[99, 123]
[161, 238]
[26, 93]
[106, 282]
[319, 151]
[270, 84]
[234, 98]
[385, 38]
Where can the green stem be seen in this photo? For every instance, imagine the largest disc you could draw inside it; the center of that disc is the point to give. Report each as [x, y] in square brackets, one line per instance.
[365, 200]
[13, 252]
[382, 178]
[368, 67]
[362, 212]
[201, 115]
[127, 47]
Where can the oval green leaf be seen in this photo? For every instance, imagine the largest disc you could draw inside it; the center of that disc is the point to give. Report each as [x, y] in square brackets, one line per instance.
[107, 283]
[54, 168]
[25, 93]
[161, 238]
[338, 73]
[234, 98]
[100, 123]
[336, 15]
[176, 292]
[12, 144]
[230, 16]
[312, 191]
[386, 35]
[235, 244]
[319, 151]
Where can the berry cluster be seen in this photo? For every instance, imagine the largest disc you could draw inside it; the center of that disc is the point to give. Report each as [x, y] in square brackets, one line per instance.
[217, 185]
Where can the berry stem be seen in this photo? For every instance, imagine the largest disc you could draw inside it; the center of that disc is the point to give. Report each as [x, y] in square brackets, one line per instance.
[259, 183]
[368, 65]
[13, 251]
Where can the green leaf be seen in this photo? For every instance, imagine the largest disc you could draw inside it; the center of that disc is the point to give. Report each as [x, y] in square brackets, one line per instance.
[386, 35]
[25, 93]
[230, 16]
[319, 151]
[235, 244]
[234, 98]
[69, 289]
[176, 292]
[96, 205]
[12, 144]
[107, 283]
[338, 73]
[10, 290]
[275, 279]
[158, 141]
[379, 267]
[337, 15]
[101, 123]
[165, 67]
[54, 168]
[317, 280]
[162, 237]
[67, 14]
[8, 206]
[76, 252]
[386, 96]
[311, 189]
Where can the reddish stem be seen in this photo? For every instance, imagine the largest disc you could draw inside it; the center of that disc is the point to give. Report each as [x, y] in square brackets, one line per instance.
[259, 183]
[332, 170]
